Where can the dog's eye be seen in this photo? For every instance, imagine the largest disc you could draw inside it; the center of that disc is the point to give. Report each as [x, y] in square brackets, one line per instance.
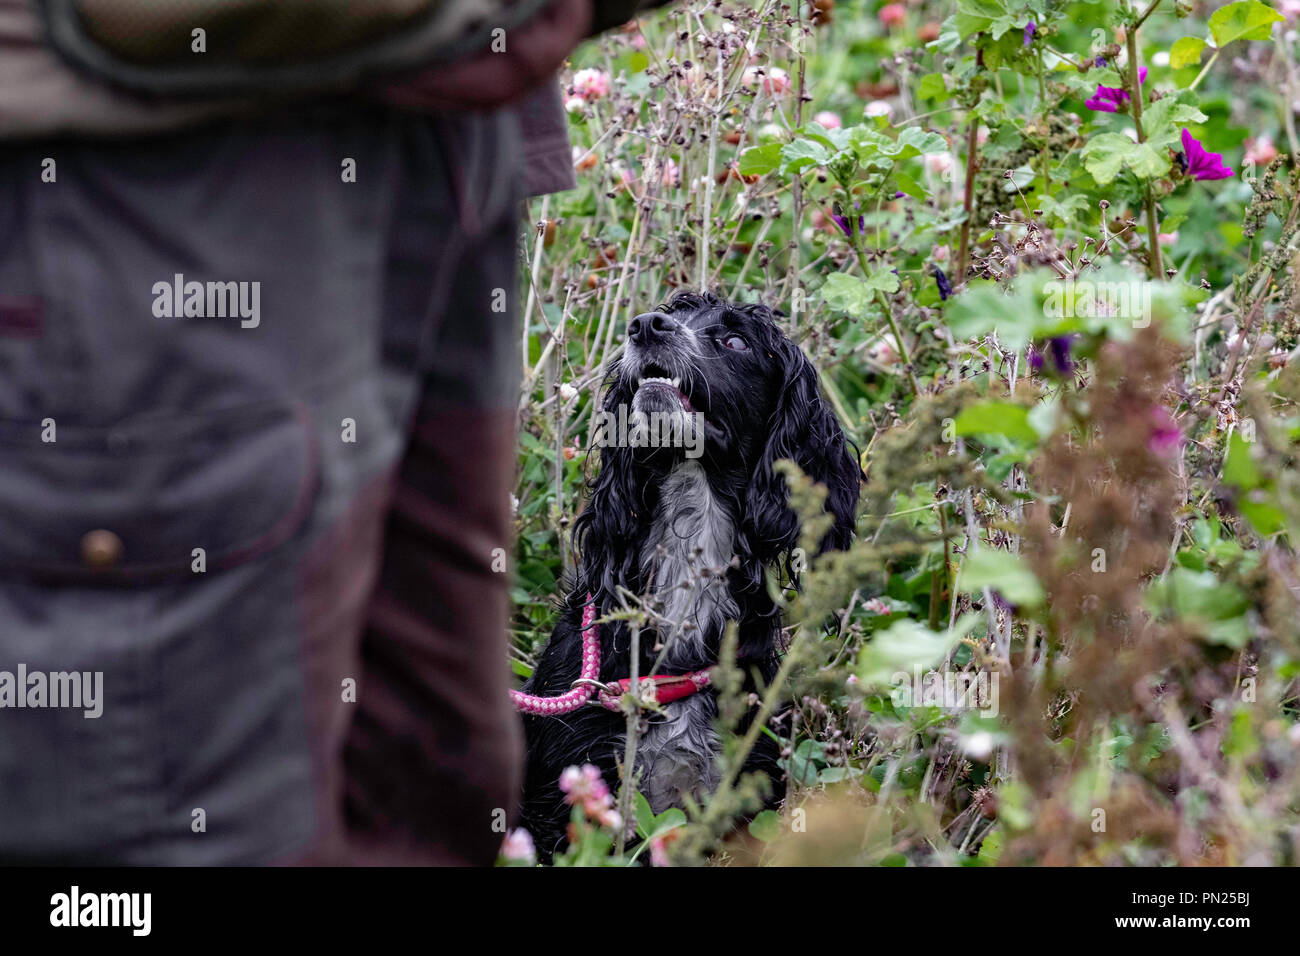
[735, 342]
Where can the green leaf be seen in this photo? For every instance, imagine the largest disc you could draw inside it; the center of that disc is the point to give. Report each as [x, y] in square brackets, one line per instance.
[670, 819]
[1243, 20]
[847, 293]
[909, 185]
[996, 418]
[992, 9]
[932, 87]
[1003, 572]
[803, 152]
[871, 144]
[966, 25]
[766, 827]
[1239, 467]
[1001, 26]
[1217, 608]
[904, 645]
[1162, 119]
[1241, 739]
[760, 160]
[914, 141]
[1186, 51]
[645, 817]
[1148, 162]
[1257, 501]
[1105, 154]
[1259, 509]
[884, 280]
[804, 761]
[833, 139]
[985, 308]
[991, 849]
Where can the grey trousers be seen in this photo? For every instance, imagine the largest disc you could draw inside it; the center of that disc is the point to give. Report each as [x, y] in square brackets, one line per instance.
[256, 433]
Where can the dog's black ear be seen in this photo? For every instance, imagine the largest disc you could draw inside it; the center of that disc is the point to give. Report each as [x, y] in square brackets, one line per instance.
[804, 429]
[607, 527]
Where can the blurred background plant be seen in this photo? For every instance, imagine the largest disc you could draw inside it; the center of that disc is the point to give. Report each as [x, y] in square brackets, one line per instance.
[1044, 255]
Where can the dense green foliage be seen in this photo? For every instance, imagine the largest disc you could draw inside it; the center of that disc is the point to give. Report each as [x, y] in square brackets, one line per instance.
[1081, 461]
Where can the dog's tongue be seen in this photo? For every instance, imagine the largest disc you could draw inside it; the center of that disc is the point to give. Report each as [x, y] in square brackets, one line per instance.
[686, 402]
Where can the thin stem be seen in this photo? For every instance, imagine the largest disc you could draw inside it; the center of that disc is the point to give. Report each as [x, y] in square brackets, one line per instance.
[1045, 152]
[889, 317]
[1135, 86]
[1204, 70]
[1143, 19]
[972, 141]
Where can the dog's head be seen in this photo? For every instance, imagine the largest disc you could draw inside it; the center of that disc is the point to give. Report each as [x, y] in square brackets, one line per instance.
[722, 383]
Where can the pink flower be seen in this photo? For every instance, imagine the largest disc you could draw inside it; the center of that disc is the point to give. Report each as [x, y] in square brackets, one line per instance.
[605, 816]
[892, 14]
[883, 353]
[671, 174]
[1110, 99]
[1289, 9]
[591, 84]
[877, 606]
[659, 850]
[938, 164]
[583, 783]
[1166, 437]
[775, 80]
[1260, 151]
[877, 108]
[828, 120]
[518, 846]
[1168, 238]
[585, 787]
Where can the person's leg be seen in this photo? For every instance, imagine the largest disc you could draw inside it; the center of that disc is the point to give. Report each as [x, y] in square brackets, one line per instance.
[434, 757]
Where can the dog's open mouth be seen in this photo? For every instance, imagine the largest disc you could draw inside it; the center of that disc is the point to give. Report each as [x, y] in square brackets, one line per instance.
[656, 378]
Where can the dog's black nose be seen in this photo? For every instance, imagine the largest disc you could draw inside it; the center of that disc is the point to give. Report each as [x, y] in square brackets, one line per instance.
[651, 327]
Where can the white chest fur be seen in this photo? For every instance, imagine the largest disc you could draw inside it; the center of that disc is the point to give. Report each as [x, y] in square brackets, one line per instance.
[689, 547]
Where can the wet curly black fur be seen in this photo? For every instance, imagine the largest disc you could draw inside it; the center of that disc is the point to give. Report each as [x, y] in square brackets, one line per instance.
[761, 403]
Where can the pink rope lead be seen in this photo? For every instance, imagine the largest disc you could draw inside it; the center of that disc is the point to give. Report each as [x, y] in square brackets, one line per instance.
[587, 679]
[663, 688]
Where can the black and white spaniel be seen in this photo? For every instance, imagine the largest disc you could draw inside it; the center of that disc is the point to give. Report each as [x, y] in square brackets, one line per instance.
[690, 522]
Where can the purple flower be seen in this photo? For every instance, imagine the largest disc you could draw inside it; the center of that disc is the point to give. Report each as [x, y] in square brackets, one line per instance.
[841, 220]
[1111, 99]
[1058, 347]
[945, 287]
[1200, 164]
[1030, 29]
